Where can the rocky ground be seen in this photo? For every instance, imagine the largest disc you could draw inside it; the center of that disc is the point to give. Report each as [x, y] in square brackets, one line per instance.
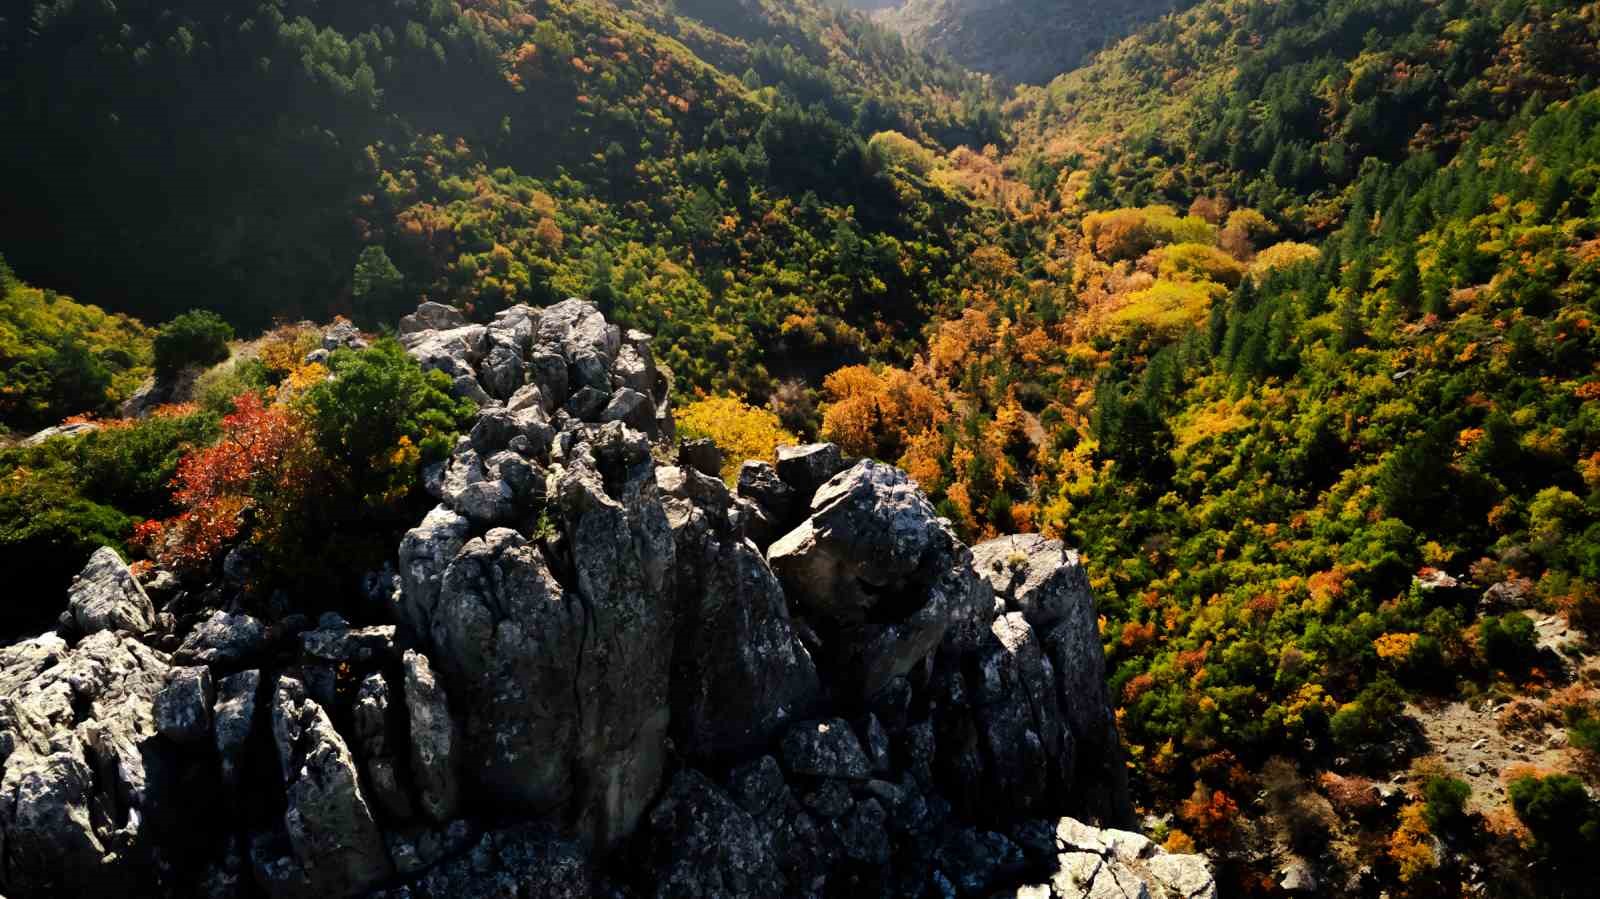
[1485, 740]
[596, 670]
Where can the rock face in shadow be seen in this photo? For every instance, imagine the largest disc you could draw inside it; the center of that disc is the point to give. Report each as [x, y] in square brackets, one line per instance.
[592, 672]
[740, 672]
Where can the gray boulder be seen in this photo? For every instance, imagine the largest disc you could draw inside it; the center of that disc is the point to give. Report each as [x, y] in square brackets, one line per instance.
[807, 467]
[1024, 748]
[374, 746]
[882, 574]
[580, 332]
[500, 371]
[547, 370]
[563, 692]
[1040, 578]
[431, 317]
[1093, 863]
[623, 558]
[426, 551]
[358, 645]
[779, 507]
[634, 369]
[741, 673]
[75, 429]
[825, 749]
[702, 455]
[508, 638]
[106, 596]
[455, 352]
[85, 783]
[234, 717]
[632, 408]
[1044, 583]
[224, 639]
[183, 707]
[700, 843]
[525, 862]
[342, 334]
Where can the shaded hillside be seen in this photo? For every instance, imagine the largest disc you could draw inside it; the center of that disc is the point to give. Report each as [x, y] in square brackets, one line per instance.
[282, 160]
[1029, 41]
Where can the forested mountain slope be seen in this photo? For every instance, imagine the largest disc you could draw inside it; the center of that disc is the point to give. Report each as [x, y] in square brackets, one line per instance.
[275, 160]
[1028, 41]
[1306, 334]
[1278, 104]
[1281, 312]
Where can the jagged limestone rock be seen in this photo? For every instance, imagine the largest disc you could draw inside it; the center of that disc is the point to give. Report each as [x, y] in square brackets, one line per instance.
[431, 317]
[741, 674]
[701, 843]
[825, 749]
[183, 707]
[882, 573]
[371, 720]
[234, 717]
[336, 845]
[1045, 583]
[805, 468]
[85, 784]
[106, 596]
[526, 861]
[1117, 863]
[433, 742]
[223, 640]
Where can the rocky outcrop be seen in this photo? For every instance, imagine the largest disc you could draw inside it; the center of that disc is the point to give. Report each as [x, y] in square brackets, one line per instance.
[1094, 863]
[433, 740]
[87, 785]
[590, 674]
[1054, 633]
[335, 846]
[106, 596]
[883, 577]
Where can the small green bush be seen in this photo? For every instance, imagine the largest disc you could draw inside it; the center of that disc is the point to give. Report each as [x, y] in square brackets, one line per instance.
[1583, 731]
[1557, 810]
[215, 390]
[1508, 641]
[1446, 802]
[197, 337]
[47, 531]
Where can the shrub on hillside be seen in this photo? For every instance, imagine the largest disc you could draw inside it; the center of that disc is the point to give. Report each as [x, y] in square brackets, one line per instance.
[1558, 811]
[60, 358]
[1508, 641]
[65, 497]
[321, 480]
[197, 337]
[1446, 802]
[47, 531]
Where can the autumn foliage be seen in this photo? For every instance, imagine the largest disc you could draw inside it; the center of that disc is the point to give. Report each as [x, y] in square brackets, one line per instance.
[741, 431]
[259, 469]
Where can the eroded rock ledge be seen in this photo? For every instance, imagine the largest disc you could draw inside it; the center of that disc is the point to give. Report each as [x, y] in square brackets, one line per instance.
[591, 673]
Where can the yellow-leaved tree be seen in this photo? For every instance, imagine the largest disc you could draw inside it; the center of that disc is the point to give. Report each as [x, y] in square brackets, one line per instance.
[740, 430]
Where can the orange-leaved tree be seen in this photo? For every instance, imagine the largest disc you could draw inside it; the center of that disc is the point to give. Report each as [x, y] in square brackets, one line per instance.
[255, 473]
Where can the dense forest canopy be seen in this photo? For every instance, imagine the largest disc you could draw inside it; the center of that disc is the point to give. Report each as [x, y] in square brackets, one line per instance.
[1282, 312]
